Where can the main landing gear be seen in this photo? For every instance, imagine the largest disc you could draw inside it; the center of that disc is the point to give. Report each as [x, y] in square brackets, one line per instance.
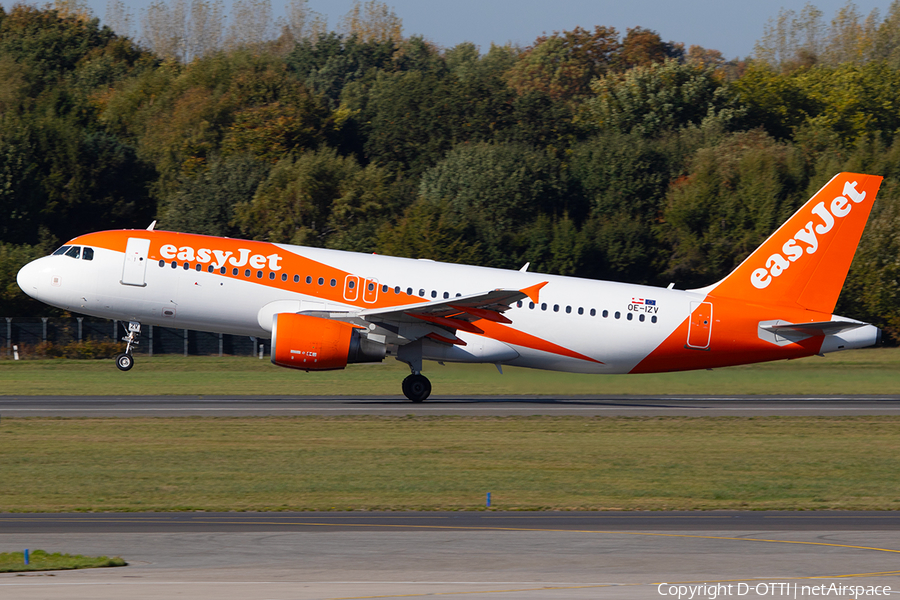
[125, 360]
[416, 387]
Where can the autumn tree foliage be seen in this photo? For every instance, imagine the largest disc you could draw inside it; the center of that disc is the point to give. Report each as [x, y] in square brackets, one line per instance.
[589, 153]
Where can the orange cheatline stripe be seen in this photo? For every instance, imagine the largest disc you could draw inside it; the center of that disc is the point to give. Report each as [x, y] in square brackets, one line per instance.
[503, 333]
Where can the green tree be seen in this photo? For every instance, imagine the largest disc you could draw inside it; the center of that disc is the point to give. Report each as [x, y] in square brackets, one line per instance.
[660, 97]
[13, 301]
[205, 200]
[318, 199]
[330, 62]
[497, 189]
[778, 103]
[643, 47]
[427, 230]
[564, 64]
[737, 193]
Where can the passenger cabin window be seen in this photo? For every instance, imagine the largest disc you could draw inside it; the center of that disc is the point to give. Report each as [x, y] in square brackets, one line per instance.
[74, 252]
[88, 254]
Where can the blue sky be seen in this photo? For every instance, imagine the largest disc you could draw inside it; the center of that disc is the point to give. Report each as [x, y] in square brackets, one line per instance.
[728, 26]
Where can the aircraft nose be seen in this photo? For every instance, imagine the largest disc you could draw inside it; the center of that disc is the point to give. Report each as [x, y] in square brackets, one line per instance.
[28, 278]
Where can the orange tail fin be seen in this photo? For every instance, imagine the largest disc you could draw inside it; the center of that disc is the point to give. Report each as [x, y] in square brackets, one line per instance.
[805, 262]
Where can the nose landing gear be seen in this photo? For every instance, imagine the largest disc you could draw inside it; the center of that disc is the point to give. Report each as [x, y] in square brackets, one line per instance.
[125, 360]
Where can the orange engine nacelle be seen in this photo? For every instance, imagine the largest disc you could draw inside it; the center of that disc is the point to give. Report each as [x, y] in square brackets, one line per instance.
[317, 344]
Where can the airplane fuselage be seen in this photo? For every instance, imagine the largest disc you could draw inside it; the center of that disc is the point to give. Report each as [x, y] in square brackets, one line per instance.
[578, 325]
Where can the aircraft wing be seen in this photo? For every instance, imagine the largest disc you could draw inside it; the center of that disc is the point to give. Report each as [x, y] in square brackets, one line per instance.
[441, 319]
[815, 328]
[461, 310]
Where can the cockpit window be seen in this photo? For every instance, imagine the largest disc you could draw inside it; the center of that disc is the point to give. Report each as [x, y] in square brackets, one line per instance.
[74, 251]
[62, 250]
[88, 254]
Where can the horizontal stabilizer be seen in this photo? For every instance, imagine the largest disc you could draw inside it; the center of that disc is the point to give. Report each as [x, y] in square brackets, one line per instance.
[819, 328]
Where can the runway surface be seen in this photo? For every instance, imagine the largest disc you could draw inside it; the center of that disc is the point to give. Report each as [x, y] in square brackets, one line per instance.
[222, 406]
[195, 522]
[282, 556]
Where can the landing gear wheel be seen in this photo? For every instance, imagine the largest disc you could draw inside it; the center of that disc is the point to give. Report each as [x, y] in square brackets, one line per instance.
[124, 361]
[416, 387]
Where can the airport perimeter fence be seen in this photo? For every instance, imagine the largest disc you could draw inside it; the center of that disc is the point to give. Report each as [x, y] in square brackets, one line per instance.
[25, 335]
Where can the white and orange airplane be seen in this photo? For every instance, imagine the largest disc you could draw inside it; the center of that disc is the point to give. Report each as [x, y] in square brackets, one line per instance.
[324, 309]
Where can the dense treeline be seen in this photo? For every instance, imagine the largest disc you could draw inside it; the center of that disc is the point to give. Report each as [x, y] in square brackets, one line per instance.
[588, 153]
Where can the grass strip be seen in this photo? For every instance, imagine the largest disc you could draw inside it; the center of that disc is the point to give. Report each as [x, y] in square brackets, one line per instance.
[874, 372]
[450, 463]
[39, 560]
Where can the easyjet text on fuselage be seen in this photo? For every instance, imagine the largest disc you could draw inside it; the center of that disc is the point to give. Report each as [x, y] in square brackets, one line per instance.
[219, 258]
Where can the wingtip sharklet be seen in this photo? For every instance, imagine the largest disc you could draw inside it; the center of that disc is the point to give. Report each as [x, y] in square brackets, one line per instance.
[533, 291]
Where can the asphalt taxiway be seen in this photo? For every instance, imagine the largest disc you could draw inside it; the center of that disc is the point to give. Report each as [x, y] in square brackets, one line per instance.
[483, 555]
[219, 406]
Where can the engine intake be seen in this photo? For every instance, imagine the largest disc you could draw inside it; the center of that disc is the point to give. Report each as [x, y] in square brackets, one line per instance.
[317, 344]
